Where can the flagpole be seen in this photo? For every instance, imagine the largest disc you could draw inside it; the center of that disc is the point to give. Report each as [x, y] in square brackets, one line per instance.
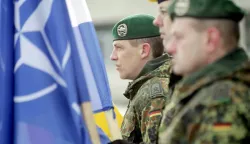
[113, 126]
[90, 122]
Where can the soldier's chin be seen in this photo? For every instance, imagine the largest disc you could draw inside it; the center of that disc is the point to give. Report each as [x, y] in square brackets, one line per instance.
[177, 71]
[122, 76]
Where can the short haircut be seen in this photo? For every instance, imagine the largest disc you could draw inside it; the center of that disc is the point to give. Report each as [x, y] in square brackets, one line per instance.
[155, 43]
[229, 29]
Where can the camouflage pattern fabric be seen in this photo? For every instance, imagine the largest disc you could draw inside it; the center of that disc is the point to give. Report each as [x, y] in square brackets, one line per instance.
[148, 97]
[212, 106]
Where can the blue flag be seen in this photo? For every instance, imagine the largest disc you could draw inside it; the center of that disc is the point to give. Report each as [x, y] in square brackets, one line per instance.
[90, 55]
[55, 64]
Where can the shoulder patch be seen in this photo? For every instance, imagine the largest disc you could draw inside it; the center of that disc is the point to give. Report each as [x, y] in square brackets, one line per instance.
[218, 93]
[156, 90]
[221, 93]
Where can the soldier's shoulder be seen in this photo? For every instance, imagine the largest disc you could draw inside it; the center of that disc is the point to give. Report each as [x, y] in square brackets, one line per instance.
[225, 91]
[155, 87]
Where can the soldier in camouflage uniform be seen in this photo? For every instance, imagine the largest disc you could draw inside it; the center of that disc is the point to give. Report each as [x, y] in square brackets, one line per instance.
[163, 21]
[138, 53]
[211, 104]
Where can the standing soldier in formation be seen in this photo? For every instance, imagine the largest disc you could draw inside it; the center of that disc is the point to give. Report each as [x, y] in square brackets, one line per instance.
[138, 53]
[163, 21]
[211, 103]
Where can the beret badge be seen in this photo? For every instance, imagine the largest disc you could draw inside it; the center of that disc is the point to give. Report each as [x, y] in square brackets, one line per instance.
[181, 7]
[122, 30]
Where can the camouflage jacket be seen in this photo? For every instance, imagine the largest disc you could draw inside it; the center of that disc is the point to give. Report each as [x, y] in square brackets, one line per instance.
[211, 106]
[147, 98]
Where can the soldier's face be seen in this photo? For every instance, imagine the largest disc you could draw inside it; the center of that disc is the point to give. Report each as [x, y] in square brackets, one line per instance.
[163, 20]
[127, 58]
[187, 46]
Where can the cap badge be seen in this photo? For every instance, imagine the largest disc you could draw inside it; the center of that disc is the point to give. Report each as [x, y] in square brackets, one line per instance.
[181, 7]
[122, 30]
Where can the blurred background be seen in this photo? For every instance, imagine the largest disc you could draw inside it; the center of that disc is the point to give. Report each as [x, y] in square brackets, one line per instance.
[105, 13]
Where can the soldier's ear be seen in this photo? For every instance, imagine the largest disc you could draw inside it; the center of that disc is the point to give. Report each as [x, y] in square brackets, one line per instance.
[145, 50]
[213, 39]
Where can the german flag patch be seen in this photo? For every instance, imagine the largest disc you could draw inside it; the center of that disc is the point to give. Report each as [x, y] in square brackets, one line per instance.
[154, 113]
[221, 127]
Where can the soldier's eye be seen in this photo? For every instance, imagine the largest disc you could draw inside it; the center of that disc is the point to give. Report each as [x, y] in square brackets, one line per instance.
[163, 11]
[119, 48]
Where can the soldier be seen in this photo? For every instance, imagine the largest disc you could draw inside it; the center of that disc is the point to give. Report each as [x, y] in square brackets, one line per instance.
[211, 103]
[163, 20]
[138, 53]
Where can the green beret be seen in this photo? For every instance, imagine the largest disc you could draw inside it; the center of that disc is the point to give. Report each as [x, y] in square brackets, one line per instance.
[206, 9]
[135, 27]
